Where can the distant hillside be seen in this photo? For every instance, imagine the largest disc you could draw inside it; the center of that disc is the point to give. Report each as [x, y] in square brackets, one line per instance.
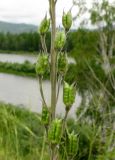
[16, 28]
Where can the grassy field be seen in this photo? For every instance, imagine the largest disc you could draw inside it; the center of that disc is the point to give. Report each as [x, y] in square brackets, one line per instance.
[21, 134]
[22, 137]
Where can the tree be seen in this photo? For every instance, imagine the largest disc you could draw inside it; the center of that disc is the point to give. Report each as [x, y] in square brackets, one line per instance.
[103, 16]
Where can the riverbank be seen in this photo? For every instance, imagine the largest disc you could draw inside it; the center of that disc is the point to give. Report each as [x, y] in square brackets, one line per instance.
[27, 69]
[24, 69]
[19, 52]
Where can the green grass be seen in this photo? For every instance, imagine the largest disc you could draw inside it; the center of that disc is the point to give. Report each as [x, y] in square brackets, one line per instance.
[22, 137]
[24, 74]
[17, 73]
[24, 69]
[27, 69]
[19, 52]
[21, 134]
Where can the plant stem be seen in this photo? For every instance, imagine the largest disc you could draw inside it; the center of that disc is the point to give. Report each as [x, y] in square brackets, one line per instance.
[41, 91]
[64, 121]
[52, 5]
[52, 154]
[43, 147]
[58, 89]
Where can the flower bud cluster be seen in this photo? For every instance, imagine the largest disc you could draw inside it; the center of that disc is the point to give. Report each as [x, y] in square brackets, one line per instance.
[67, 20]
[44, 26]
[54, 134]
[72, 144]
[62, 64]
[42, 64]
[69, 94]
[45, 115]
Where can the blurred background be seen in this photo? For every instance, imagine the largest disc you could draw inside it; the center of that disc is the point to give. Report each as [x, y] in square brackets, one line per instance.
[90, 49]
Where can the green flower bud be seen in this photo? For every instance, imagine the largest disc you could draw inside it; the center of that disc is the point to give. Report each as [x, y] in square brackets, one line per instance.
[60, 40]
[54, 133]
[42, 65]
[67, 20]
[72, 144]
[44, 26]
[62, 63]
[68, 95]
[45, 115]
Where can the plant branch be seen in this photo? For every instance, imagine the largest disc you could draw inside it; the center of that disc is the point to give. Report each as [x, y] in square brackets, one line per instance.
[64, 121]
[55, 1]
[96, 78]
[41, 90]
[58, 89]
[43, 146]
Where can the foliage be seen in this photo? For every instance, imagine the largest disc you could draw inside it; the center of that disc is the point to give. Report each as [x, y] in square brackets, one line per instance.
[103, 12]
[91, 135]
[21, 136]
[20, 133]
[22, 42]
[81, 41]
[24, 69]
[28, 69]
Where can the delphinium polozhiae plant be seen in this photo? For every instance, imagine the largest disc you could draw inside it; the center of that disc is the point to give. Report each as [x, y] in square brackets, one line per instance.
[62, 144]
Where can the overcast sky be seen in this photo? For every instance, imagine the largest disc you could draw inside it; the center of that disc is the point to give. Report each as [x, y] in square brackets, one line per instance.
[31, 11]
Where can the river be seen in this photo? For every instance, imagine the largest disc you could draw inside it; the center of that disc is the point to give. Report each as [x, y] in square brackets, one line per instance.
[25, 91]
[5, 57]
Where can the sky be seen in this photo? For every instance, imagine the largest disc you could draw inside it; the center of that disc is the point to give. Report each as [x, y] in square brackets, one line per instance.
[32, 11]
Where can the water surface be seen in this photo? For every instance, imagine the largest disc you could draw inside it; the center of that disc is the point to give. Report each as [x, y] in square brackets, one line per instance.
[25, 91]
[5, 57]
[20, 58]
